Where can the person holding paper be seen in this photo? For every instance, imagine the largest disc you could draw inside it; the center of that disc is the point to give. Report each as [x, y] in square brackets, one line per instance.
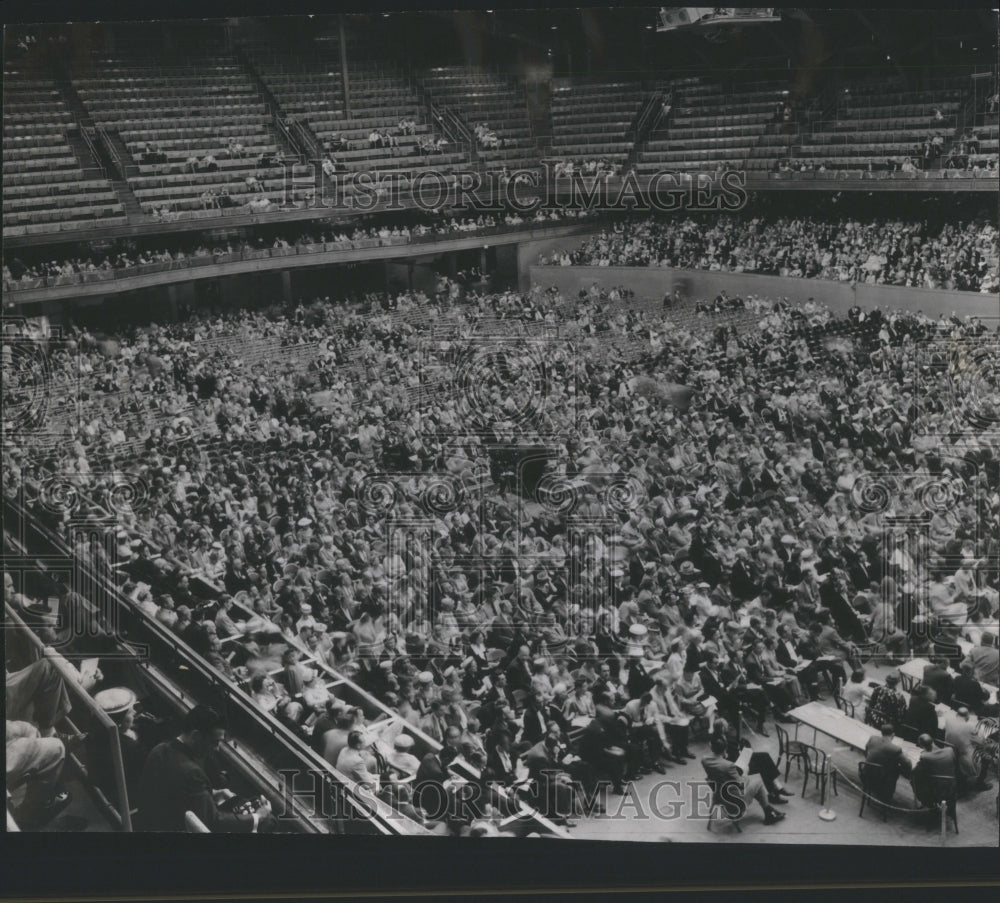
[757, 763]
[730, 784]
[175, 780]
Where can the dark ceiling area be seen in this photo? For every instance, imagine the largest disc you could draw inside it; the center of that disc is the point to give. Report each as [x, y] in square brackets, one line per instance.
[574, 41]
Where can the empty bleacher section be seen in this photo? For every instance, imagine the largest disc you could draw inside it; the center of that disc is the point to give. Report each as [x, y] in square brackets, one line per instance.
[46, 185]
[491, 99]
[708, 129]
[308, 86]
[880, 122]
[169, 112]
[590, 121]
[155, 119]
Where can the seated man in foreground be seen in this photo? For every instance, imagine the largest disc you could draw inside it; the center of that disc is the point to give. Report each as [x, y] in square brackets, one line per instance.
[175, 781]
[934, 774]
[888, 756]
[730, 786]
[36, 761]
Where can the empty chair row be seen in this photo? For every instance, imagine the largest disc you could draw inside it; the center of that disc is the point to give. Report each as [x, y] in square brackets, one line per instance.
[78, 185]
[69, 214]
[53, 202]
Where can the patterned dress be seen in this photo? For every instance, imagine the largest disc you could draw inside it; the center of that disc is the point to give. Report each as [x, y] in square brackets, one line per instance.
[886, 706]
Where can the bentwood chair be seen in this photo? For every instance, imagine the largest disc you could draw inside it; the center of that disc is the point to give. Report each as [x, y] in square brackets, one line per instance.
[872, 777]
[817, 764]
[789, 750]
[723, 810]
[846, 707]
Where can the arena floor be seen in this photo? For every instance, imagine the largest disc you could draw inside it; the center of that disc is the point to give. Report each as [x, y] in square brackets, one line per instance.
[977, 820]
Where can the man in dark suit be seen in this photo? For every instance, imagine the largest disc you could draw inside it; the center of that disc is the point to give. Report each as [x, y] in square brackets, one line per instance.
[881, 751]
[519, 671]
[934, 774]
[499, 758]
[553, 786]
[921, 716]
[742, 581]
[326, 722]
[637, 680]
[939, 679]
[175, 781]
[966, 690]
[553, 710]
[730, 786]
[604, 685]
[604, 745]
[534, 719]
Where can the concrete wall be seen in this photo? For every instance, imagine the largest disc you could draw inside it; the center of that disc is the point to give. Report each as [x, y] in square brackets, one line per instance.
[654, 282]
[529, 251]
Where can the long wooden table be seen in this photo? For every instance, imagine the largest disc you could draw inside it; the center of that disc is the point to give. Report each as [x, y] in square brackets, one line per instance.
[843, 728]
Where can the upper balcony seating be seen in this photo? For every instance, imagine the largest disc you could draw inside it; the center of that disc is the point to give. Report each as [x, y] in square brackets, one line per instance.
[707, 129]
[184, 112]
[589, 121]
[310, 86]
[44, 181]
[490, 99]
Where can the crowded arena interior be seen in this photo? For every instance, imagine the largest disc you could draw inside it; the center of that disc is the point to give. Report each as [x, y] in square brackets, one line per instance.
[574, 424]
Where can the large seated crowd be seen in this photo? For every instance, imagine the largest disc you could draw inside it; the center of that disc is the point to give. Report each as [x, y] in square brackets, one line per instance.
[960, 255]
[740, 551]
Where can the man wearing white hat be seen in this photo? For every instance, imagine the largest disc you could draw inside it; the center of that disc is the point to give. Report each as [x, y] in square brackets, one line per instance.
[307, 620]
[402, 759]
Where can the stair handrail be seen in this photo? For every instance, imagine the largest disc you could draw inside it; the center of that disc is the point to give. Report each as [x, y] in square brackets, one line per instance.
[639, 126]
[85, 136]
[454, 127]
[112, 151]
[271, 105]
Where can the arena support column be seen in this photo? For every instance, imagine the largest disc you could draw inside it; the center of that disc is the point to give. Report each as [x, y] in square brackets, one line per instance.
[286, 286]
[343, 66]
